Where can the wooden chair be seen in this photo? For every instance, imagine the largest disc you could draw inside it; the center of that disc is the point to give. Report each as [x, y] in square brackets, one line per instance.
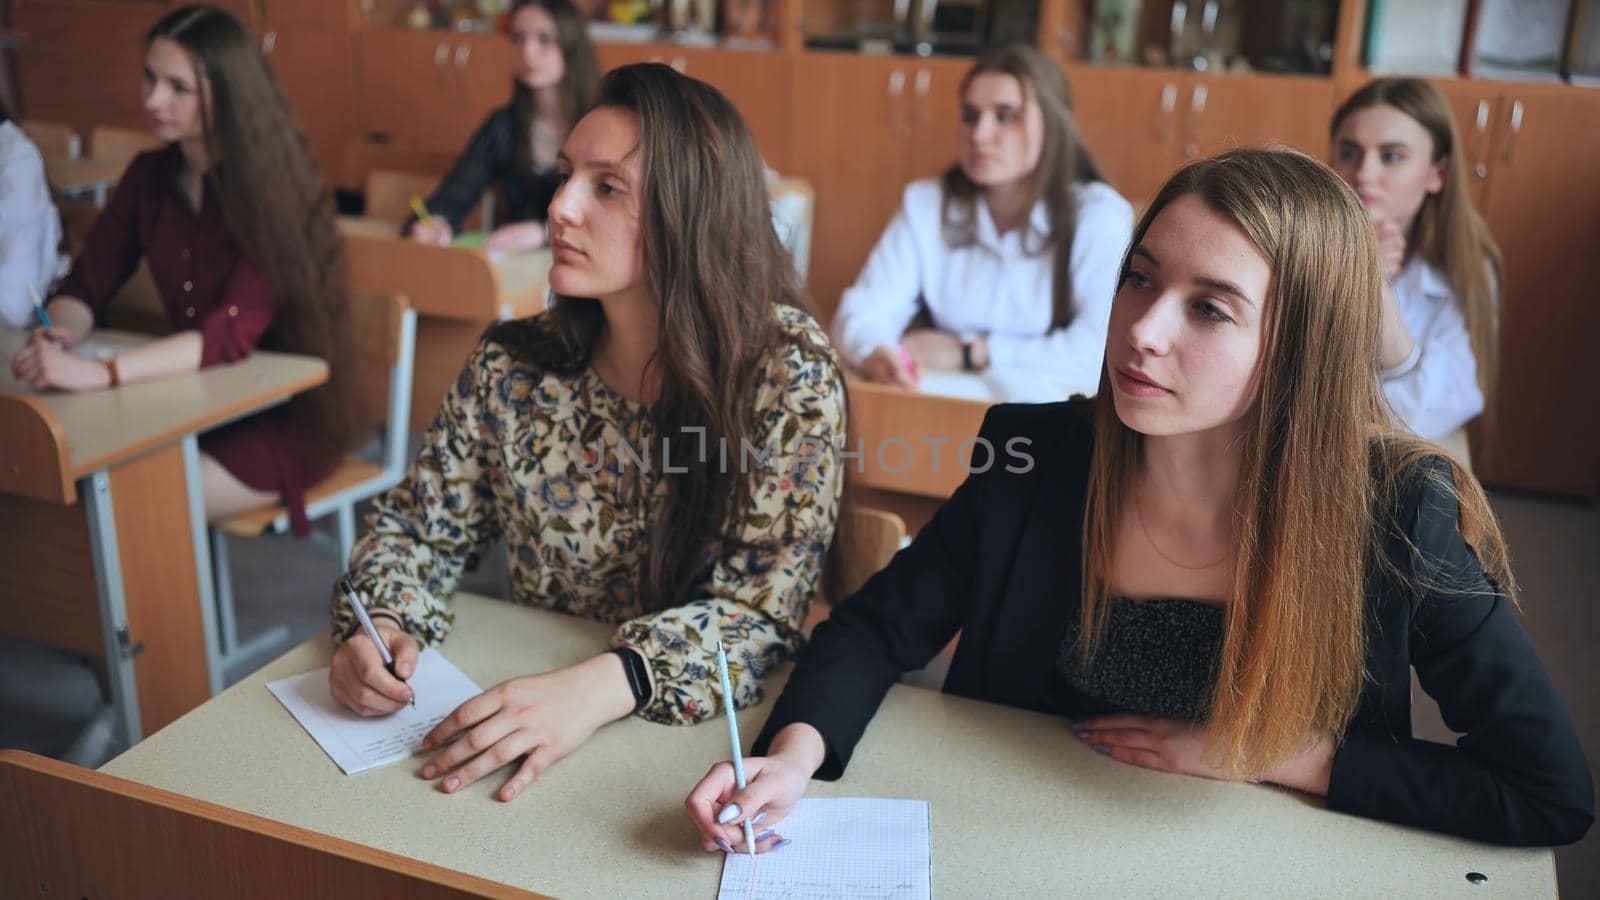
[389, 196]
[121, 145]
[384, 326]
[74, 832]
[794, 204]
[873, 538]
[53, 138]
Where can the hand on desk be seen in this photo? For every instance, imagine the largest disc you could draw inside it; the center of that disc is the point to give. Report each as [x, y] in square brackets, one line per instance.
[536, 718]
[933, 350]
[773, 785]
[885, 366]
[43, 366]
[358, 679]
[1169, 745]
[436, 233]
[515, 238]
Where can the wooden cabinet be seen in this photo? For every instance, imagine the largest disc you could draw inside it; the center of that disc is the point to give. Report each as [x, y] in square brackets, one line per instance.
[428, 90]
[1142, 124]
[860, 129]
[313, 67]
[80, 68]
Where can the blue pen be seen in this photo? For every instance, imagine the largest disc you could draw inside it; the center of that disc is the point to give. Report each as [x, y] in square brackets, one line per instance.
[733, 736]
[41, 315]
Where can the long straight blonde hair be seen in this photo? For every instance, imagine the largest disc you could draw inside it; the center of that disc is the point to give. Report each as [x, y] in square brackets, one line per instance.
[1293, 653]
[1448, 232]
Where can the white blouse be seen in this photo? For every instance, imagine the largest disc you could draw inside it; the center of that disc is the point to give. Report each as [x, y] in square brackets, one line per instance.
[1435, 390]
[30, 229]
[993, 287]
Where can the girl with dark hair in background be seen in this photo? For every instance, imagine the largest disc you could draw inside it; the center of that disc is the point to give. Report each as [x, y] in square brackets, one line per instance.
[232, 217]
[606, 439]
[1013, 253]
[555, 83]
[1225, 565]
[30, 227]
[1395, 142]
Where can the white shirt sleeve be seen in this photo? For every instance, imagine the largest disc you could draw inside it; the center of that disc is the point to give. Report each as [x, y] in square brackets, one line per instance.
[1068, 360]
[875, 311]
[1438, 393]
[30, 230]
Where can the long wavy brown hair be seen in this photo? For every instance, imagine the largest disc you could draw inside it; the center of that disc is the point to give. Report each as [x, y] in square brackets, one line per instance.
[579, 85]
[1448, 232]
[717, 273]
[1064, 162]
[1309, 511]
[274, 205]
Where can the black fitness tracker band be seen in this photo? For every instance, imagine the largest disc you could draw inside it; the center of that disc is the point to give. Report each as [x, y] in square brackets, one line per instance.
[638, 676]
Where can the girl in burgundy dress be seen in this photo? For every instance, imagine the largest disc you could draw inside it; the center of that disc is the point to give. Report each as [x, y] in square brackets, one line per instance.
[241, 241]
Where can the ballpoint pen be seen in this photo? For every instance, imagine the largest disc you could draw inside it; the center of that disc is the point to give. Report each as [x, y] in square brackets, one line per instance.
[43, 317]
[733, 736]
[423, 215]
[372, 632]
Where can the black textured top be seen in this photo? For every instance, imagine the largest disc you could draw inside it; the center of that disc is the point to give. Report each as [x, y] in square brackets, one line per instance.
[1156, 658]
[491, 158]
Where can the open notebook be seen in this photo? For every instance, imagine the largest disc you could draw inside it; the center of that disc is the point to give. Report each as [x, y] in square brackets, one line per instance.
[841, 847]
[358, 743]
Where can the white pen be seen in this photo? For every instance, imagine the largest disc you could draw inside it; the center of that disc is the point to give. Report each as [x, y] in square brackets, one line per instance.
[377, 639]
[733, 735]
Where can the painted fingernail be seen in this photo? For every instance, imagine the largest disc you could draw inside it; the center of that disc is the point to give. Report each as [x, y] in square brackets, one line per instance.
[452, 783]
[760, 817]
[1101, 748]
[764, 835]
[427, 771]
[780, 842]
[729, 813]
[724, 845]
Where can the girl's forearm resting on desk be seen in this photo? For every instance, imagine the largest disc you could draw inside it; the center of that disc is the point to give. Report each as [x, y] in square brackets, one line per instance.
[72, 317]
[172, 355]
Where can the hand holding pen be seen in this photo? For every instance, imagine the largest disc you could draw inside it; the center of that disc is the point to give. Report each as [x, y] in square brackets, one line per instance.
[369, 670]
[46, 327]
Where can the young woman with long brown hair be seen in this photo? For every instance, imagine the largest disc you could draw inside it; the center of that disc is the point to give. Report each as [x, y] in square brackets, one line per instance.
[1013, 253]
[1396, 143]
[656, 450]
[554, 84]
[239, 234]
[1226, 564]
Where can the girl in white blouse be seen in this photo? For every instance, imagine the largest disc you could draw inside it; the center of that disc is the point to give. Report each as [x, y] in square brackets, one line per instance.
[1394, 141]
[30, 228]
[1015, 251]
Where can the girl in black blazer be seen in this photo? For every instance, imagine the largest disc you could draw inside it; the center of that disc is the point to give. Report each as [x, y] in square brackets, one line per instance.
[1226, 563]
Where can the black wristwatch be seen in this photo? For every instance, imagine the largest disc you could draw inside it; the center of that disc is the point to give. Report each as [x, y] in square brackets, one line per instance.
[968, 340]
[633, 665]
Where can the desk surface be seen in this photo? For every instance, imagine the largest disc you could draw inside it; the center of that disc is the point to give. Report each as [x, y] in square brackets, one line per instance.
[1019, 807]
[106, 427]
[67, 173]
[380, 259]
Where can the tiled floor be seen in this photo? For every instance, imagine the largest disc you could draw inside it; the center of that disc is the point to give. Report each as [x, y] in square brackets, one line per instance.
[49, 702]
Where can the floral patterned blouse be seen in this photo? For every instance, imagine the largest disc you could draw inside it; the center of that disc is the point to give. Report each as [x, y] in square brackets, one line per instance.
[568, 473]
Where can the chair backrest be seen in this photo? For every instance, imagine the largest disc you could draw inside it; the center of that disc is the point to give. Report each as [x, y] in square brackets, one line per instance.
[383, 327]
[75, 832]
[118, 144]
[389, 196]
[794, 204]
[874, 537]
[53, 138]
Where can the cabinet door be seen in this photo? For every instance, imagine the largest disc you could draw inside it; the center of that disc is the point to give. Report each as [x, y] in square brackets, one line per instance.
[756, 82]
[406, 89]
[1129, 120]
[287, 14]
[1474, 105]
[313, 66]
[849, 133]
[611, 56]
[1222, 112]
[1546, 215]
[82, 66]
[935, 93]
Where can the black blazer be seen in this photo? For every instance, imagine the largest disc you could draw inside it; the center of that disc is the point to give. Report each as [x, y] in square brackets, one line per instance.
[1001, 563]
[491, 158]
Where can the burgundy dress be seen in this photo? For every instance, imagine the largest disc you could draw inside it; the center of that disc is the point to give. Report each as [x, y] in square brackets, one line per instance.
[208, 286]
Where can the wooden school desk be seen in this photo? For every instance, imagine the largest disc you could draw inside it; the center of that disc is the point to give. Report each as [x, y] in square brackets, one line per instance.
[73, 177]
[457, 293]
[103, 547]
[1019, 807]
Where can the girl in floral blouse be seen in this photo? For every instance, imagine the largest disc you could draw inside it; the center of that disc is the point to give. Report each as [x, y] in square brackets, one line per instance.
[658, 450]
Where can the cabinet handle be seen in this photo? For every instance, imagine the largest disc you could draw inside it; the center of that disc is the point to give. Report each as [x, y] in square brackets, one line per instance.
[919, 88]
[1516, 128]
[1169, 104]
[1197, 100]
[897, 112]
[268, 42]
[441, 55]
[463, 53]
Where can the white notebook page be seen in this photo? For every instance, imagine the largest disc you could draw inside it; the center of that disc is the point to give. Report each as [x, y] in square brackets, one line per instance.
[358, 743]
[841, 847]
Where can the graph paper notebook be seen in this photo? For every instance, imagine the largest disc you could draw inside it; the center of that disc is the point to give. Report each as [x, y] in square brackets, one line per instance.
[358, 743]
[842, 847]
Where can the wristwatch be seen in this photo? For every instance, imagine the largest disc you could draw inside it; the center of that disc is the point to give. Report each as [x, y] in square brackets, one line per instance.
[633, 665]
[968, 340]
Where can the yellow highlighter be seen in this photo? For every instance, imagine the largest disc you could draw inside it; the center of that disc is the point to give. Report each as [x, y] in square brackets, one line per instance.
[423, 215]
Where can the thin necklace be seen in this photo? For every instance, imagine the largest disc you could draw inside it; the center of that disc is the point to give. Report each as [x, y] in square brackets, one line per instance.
[1138, 509]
